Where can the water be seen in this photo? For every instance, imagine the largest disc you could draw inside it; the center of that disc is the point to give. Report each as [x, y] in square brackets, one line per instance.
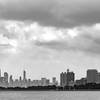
[49, 95]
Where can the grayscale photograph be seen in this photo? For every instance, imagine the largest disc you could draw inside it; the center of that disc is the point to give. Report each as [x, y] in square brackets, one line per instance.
[49, 49]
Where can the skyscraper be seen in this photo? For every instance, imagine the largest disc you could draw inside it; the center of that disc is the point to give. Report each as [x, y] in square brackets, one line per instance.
[54, 81]
[5, 78]
[67, 78]
[24, 75]
[92, 76]
[63, 79]
[10, 81]
[70, 77]
[20, 79]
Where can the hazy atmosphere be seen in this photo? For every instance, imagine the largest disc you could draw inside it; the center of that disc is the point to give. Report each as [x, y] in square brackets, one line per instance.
[45, 37]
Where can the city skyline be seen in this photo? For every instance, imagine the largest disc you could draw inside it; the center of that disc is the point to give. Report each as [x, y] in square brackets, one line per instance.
[67, 78]
[7, 80]
[17, 74]
[46, 37]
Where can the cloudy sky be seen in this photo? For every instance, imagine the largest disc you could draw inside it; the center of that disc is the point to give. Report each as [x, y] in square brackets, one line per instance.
[45, 37]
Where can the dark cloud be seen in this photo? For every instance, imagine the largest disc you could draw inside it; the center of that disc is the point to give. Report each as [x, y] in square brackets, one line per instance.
[62, 13]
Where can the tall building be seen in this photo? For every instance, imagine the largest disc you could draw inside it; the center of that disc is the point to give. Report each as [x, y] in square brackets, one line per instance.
[24, 75]
[45, 82]
[6, 78]
[10, 81]
[20, 79]
[1, 81]
[92, 76]
[28, 82]
[70, 77]
[98, 78]
[63, 79]
[54, 81]
[67, 78]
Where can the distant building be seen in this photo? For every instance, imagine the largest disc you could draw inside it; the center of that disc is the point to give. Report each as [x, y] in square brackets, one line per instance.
[47, 82]
[24, 75]
[82, 81]
[63, 79]
[10, 81]
[92, 75]
[36, 82]
[6, 78]
[28, 82]
[54, 81]
[70, 77]
[2, 81]
[67, 79]
[98, 78]
[43, 81]
[20, 79]
[16, 83]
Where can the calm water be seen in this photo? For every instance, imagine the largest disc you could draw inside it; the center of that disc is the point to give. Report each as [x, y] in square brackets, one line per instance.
[49, 95]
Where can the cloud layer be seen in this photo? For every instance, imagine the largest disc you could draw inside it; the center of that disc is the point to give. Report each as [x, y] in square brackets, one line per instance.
[18, 36]
[59, 13]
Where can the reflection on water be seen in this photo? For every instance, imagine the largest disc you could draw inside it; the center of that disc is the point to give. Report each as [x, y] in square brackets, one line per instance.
[49, 95]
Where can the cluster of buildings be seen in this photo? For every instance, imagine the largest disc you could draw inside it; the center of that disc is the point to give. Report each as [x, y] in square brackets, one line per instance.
[8, 81]
[68, 78]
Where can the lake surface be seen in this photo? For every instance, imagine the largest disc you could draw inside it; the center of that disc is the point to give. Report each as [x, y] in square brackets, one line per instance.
[49, 95]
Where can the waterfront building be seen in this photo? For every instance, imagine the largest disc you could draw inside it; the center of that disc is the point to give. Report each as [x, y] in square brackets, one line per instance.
[47, 82]
[82, 81]
[24, 75]
[10, 81]
[54, 81]
[92, 75]
[43, 81]
[67, 78]
[70, 77]
[63, 79]
[2, 81]
[98, 78]
[5, 78]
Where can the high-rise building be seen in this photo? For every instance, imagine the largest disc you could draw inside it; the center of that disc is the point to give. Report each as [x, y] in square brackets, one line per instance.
[16, 83]
[54, 81]
[24, 82]
[10, 81]
[98, 78]
[20, 79]
[67, 78]
[1, 81]
[63, 79]
[6, 78]
[28, 82]
[24, 75]
[45, 82]
[70, 77]
[92, 75]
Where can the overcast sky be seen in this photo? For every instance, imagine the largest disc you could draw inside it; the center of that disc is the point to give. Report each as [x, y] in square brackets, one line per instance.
[45, 37]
